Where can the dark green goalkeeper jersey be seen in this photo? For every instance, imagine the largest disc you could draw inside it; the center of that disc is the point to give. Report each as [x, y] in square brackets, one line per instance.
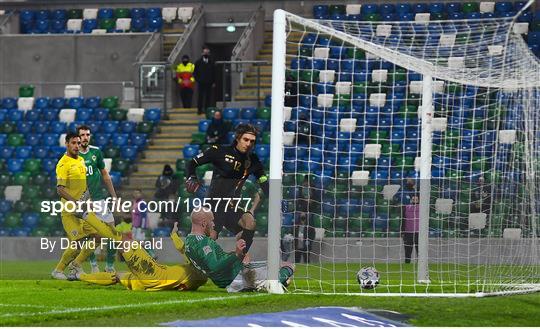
[93, 160]
[208, 257]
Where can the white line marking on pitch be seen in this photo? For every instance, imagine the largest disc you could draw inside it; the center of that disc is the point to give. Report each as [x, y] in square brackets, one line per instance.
[114, 307]
[27, 305]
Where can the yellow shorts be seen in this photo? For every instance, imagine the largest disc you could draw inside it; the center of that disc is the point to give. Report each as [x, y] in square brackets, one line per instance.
[76, 228]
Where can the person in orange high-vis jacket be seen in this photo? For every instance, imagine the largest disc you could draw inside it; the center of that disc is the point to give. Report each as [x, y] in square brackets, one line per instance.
[186, 81]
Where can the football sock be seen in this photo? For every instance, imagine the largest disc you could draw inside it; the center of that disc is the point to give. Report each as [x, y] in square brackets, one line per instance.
[284, 274]
[68, 255]
[93, 259]
[247, 235]
[111, 255]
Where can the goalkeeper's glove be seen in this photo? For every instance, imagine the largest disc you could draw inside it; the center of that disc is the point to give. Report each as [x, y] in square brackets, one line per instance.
[192, 184]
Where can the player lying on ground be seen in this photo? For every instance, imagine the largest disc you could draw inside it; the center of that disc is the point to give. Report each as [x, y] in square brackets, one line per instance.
[232, 270]
[146, 274]
[233, 165]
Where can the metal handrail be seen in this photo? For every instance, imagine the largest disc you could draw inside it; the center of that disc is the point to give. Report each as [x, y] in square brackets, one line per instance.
[146, 48]
[195, 19]
[6, 20]
[240, 47]
[257, 64]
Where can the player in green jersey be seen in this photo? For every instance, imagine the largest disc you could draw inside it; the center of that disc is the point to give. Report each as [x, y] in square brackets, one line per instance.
[233, 270]
[96, 177]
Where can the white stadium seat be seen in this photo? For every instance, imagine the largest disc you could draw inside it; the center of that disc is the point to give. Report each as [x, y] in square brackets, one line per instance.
[67, 115]
[71, 91]
[185, 14]
[99, 31]
[62, 139]
[108, 164]
[74, 24]
[123, 24]
[25, 103]
[135, 115]
[90, 13]
[169, 14]
[13, 193]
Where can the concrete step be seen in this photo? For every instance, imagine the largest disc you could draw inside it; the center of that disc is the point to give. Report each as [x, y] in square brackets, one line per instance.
[172, 129]
[143, 181]
[163, 154]
[184, 133]
[126, 192]
[152, 173]
[150, 161]
[183, 115]
[179, 141]
[253, 80]
[152, 167]
[180, 122]
[178, 146]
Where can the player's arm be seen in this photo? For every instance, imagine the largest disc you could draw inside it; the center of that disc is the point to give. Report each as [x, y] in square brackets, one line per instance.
[63, 193]
[105, 176]
[261, 176]
[177, 241]
[218, 260]
[192, 183]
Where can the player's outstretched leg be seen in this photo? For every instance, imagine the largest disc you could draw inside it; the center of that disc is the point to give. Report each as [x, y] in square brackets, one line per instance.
[67, 256]
[247, 222]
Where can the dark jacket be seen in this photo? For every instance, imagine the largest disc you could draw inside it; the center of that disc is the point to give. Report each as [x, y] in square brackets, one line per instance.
[205, 72]
[217, 132]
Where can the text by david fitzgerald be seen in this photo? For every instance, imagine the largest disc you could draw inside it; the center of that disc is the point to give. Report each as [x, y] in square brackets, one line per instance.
[65, 243]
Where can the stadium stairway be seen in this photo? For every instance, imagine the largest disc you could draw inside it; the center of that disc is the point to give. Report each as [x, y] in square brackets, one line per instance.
[170, 36]
[248, 90]
[167, 144]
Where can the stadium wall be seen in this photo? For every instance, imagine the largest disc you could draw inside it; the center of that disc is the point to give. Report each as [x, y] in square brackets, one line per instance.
[60, 58]
[368, 250]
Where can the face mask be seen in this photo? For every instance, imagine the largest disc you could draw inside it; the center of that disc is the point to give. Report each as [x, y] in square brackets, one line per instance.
[185, 62]
[205, 56]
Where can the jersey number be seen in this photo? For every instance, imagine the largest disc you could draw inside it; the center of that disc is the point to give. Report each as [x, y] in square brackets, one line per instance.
[89, 171]
[237, 165]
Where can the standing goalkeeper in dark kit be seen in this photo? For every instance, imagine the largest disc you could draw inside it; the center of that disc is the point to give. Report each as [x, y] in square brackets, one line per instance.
[233, 165]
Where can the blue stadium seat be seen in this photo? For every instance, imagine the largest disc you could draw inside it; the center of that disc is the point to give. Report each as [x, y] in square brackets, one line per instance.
[104, 13]
[152, 115]
[190, 151]
[58, 127]
[83, 114]
[101, 140]
[230, 113]
[139, 140]
[15, 115]
[27, 15]
[403, 8]
[138, 13]
[155, 24]
[320, 12]
[128, 127]
[41, 127]
[41, 26]
[9, 103]
[3, 139]
[248, 113]
[237, 122]
[39, 151]
[19, 232]
[116, 178]
[57, 26]
[262, 151]
[33, 115]
[138, 25]
[203, 125]
[60, 14]
[88, 25]
[50, 139]
[41, 102]
[120, 139]
[92, 102]
[261, 125]
[30, 219]
[154, 12]
[50, 114]
[42, 14]
[5, 206]
[95, 126]
[49, 165]
[6, 152]
[128, 152]
[56, 152]
[101, 114]
[15, 165]
[503, 7]
[110, 127]
[75, 102]
[24, 127]
[58, 102]
[230, 137]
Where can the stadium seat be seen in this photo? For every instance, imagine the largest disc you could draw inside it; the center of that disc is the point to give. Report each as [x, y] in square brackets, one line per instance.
[105, 13]
[109, 127]
[9, 103]
[135, 114]
[6, 152]
[39, 151]
[56, 152]
[88, 25]
[155, 24]
[57, 127]
[15, 115]
[15, 165]
[49, 165]
[168, 14]
[83, 114]
[127, 127]
[120, 166]
[118, 114]
[101, 114]
[153, 12]
[138, 13]
[145, 127]
[138, 140]
[58, 26]
[121, 13]
[23, 152]
[15, 139]
[129, 153]
[123, 25]
[3, 139]
[203, 125]
[74, 25]
[111, 152]
[120, 139]
[42, 26]
[67, 115]
[24, 127]
[185, 14]
[152, 115]
[190, 151]
[50, 139]
[138, 25]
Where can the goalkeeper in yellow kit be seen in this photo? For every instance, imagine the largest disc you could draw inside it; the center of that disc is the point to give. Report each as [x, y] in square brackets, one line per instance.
[147, 274]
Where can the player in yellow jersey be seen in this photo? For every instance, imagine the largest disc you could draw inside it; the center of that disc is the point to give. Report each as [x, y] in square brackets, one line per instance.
[146, 274]
[71, 186]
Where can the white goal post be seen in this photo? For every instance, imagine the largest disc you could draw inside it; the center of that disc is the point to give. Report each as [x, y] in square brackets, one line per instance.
[367, 117]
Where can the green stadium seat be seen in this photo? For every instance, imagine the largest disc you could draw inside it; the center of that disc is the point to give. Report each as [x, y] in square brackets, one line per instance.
[337, 9]
[26, 91]
[22, 206]
[22, 178]
[107, 24]
[306, 51]
[202, 169]
[356, 53]
[39, 232]
[118, 114]
[181, 165]
[31, 192]
[49, 193]
[377, 136]
[470, 7]
[12, 220]
[360, 88]
[413, 100]
[7, 128]
[308, 76]
[210, 112]
[120, 165]
[266, 137]
[32, 165]
[372, 17]
[75, 14]
[145, 127]
[198, 138]
[40, 179]
[453, 88]
[112, 152]
[122, 13]
[110, 102]
[15, 140]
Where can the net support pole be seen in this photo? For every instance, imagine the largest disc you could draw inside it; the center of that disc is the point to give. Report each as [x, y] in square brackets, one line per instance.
[425, 178]
[276, 151]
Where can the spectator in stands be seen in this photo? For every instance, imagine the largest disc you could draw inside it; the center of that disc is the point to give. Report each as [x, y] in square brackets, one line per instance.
[204, 74]
[186, 81]
[217, 130]
[291, 91]
[303, 130]
[166, 184]
[410, 226]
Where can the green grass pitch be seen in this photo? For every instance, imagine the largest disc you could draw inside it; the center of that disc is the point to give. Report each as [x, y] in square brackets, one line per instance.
[28, 297]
